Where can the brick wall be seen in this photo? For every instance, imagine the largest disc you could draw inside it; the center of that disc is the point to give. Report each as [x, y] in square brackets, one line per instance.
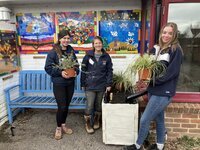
[183, 119]
[180, 119]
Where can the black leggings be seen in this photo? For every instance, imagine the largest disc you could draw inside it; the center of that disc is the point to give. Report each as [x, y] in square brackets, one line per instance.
[63, 96]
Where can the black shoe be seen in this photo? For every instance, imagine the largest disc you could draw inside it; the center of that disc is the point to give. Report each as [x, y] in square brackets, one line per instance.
[153, 147]
[131, 147]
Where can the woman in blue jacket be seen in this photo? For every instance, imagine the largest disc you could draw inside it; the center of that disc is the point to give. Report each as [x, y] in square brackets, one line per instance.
[160, 94]
[96, 78]
[63, 85]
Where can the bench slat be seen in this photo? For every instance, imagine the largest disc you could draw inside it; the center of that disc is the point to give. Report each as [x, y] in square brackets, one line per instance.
[46, 100]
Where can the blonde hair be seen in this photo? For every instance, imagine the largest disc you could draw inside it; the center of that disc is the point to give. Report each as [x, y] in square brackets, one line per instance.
[173, 43]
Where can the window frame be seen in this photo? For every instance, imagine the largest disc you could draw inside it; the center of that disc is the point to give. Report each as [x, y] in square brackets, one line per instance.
[191, 97]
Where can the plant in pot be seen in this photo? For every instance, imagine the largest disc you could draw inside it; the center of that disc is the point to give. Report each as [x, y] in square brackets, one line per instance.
[147, 68]
[68, 64]
[121, 88]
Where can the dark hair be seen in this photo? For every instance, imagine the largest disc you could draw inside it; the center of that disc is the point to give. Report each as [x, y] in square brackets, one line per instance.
[63, 33]
[56, 47]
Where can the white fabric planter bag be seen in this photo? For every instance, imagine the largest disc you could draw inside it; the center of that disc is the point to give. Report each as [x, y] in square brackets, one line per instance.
[119, 123]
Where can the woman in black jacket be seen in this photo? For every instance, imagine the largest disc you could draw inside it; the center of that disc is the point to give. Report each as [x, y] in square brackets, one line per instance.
[96, 78]
[63, 85]
[169, 52]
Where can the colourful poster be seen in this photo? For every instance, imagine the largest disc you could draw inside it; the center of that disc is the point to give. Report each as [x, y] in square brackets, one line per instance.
[120, 30]
[82, 26]
[9, 54]
[36, 32]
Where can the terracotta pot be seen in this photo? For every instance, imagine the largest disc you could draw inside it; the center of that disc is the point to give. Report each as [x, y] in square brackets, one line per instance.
[144, 74]
[70, 72]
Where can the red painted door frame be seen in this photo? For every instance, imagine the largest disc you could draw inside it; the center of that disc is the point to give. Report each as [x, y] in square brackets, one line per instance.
[192, 97]
[165, 8]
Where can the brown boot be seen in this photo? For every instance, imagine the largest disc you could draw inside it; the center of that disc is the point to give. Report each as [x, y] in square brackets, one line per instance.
[97, 118]
[66, 129]
[88, 126]
[58, 133]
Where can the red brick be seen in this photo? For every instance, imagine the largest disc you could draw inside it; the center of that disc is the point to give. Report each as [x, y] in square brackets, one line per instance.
[172, 134]
[194, 131]
[172, 125]
[189, 125]
[169, 129]
[181, 120]
[176, 108]
[169, 109]
[195, 121]
[173, 115]
[169, 120]
[179, 130]
[189, 115]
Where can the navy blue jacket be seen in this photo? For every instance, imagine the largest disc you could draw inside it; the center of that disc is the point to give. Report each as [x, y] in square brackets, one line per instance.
[96, 75]
[166, 85]
[55, 72]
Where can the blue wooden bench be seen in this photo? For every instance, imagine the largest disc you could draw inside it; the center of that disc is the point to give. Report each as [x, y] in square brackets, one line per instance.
[33, 85]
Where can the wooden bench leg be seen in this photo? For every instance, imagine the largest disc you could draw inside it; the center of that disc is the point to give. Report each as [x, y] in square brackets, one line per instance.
[10, 115]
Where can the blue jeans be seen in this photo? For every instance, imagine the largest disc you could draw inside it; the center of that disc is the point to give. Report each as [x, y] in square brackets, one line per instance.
[94, 100]
[154, 111]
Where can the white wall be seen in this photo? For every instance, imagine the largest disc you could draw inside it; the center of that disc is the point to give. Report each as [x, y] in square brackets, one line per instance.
[78, 6]
[29, 62]
[4, 83]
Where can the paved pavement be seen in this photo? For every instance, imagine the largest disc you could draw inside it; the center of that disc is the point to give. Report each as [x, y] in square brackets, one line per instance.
[34, 130]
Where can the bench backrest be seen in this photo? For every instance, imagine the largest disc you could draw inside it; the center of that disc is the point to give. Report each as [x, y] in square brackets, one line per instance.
[39, 81]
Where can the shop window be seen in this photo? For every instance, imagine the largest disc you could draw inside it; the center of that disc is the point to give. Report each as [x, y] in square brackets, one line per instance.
[187, 17]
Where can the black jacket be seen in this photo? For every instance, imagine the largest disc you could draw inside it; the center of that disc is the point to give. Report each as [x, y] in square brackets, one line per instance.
[96, 75]
[166, 85]
[55, 72]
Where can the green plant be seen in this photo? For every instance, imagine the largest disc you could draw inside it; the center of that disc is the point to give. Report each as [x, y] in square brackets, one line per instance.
[121, 82]
[189, 143]
[68, 62]
[146, 61]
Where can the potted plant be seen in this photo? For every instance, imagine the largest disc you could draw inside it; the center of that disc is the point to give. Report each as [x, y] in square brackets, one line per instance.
[68, 64]
[122, 87]
[121, 82]
[147, 68]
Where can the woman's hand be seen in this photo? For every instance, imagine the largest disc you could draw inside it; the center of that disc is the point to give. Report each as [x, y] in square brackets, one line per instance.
[108, 88]
[64, 75]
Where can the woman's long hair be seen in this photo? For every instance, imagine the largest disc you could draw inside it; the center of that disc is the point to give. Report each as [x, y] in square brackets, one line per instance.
[173, 43]
[57, 47]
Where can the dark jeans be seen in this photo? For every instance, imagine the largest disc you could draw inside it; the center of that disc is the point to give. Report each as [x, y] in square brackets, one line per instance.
[63, 96]
[94, 100]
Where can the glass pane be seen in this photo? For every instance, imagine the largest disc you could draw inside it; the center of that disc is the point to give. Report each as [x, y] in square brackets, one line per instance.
[187, 17]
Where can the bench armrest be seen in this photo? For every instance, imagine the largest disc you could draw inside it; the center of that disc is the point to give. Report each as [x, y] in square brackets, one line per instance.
[7, 92]
[9, 88]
